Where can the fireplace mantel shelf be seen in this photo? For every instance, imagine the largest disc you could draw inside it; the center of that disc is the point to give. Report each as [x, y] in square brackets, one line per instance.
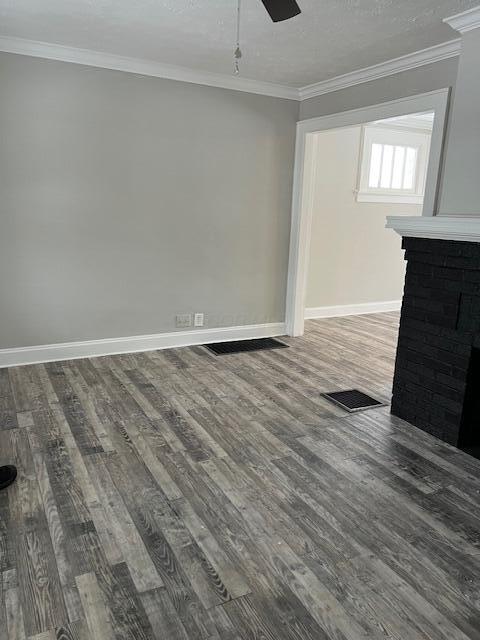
[463, 229]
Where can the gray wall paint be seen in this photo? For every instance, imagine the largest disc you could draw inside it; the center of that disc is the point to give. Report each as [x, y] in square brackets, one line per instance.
[127, 199]
[408, 83]
[461, 185]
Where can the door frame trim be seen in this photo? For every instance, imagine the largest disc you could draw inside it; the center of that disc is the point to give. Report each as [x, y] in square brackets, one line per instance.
[304, 180]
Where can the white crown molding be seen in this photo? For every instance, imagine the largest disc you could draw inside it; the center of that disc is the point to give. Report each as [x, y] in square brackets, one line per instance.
[463, 229]
[90, 58]
[352, 309]
[404, 63]
[465, 21]
[112, 346]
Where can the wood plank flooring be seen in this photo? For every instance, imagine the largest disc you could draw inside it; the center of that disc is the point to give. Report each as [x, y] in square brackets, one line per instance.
[176, 495]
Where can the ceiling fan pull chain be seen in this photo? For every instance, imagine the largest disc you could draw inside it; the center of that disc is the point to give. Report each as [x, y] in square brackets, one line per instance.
[238, 52]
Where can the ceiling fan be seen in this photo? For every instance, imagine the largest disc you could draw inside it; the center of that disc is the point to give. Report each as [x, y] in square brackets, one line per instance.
[280, 10]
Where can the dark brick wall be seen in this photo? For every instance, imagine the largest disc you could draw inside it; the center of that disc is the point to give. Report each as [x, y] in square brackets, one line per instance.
[439, 325]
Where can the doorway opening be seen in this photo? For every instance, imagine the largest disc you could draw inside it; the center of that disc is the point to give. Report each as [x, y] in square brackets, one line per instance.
[383, 171]
[363, 173]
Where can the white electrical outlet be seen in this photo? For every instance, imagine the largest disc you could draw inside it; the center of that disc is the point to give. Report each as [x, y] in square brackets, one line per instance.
[183, 320]
[198, 320]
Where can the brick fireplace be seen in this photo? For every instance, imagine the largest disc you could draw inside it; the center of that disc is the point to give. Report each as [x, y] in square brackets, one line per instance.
[437, 376]
[437, 373]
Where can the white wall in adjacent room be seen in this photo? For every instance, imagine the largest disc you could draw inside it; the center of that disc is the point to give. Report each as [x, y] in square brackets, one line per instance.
[353, 258]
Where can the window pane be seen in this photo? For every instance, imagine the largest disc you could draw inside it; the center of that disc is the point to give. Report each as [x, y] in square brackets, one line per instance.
[375, 166]
[398, 166]
[410, 168]
[387, 165]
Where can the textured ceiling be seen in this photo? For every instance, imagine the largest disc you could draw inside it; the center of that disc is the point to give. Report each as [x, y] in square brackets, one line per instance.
[422, 120]
[329, 38]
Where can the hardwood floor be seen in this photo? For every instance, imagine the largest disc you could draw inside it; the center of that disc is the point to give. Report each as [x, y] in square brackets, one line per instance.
[177, 495]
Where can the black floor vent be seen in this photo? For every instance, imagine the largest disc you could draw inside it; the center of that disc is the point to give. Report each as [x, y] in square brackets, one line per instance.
[353, 400]
[240, 346]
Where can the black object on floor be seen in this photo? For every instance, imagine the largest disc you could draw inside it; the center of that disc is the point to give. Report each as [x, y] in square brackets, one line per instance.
[7, 476]
[353, 400]
[240, 346]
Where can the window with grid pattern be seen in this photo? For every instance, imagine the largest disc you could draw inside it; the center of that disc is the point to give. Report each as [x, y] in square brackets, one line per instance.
[393, 165]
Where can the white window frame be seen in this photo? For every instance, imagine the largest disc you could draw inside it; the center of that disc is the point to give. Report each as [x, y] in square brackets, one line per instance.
[395, 136]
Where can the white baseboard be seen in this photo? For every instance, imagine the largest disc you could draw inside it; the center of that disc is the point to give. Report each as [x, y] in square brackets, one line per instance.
[111, 346]
[352, 309]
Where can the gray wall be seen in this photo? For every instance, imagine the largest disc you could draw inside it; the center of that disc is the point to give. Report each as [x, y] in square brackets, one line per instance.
[127, 199]
[461, 185]
[408, 83]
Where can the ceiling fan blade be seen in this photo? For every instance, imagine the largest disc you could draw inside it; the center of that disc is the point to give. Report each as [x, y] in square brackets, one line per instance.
[281, 9]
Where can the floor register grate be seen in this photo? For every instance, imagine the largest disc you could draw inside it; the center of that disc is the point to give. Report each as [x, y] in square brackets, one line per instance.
[353, 400]
[242, 346]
